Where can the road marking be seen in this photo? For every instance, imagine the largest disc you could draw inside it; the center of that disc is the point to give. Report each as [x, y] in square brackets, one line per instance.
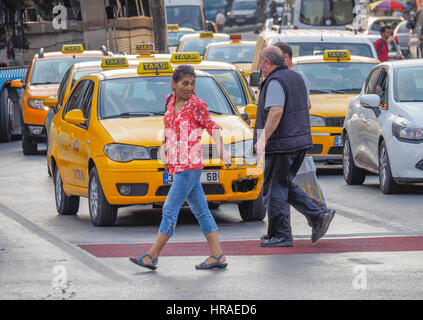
[252, 247]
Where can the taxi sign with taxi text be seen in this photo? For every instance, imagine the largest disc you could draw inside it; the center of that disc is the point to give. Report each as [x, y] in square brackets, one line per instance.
[144, 48]
[336, 55]
[206, 34]
[185, 57]
[155, 67]
[115, 62]
[72, 48]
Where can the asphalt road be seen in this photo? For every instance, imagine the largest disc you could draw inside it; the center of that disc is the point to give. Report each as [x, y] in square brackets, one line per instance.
[373, 249]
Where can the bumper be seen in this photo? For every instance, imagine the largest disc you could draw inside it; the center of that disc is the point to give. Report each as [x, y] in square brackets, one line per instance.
[235, 184]
[404, 168]
[37, 133]
[327, 146]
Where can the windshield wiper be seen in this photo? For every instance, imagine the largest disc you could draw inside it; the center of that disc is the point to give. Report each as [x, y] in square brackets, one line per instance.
[129, 115]
[346, 90]
[216, 112]
[411, 101]
[40, 83]
[320, 91]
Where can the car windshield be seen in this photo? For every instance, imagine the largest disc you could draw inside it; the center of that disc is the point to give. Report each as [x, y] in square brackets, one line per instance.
[146, 96]
[231, 53]
[230, 80]
[79, 74]
[198, 45]
[318, 48]
[52, 71]
[336, 77]
[185, 16]
[385, 22]
[326, 12]
[244, 5]
[408, 84]
[173, 37]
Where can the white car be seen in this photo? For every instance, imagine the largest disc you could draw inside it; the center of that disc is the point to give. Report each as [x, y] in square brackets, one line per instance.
[383, 129]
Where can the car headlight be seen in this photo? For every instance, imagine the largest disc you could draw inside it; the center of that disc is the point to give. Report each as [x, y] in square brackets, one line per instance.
[37, 104]
[316, 121]
[404, 129]
[125, 152]
[241, 149]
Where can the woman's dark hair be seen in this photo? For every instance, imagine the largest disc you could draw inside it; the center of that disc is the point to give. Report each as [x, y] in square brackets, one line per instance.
[182, 71]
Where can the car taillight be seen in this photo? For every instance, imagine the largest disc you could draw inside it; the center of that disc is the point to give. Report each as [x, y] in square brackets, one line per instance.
[295, 27]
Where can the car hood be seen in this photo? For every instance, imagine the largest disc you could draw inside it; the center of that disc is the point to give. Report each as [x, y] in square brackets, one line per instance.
[330, 105]
[148, 131]
[43, 90]
[411, 111]
[242, 12]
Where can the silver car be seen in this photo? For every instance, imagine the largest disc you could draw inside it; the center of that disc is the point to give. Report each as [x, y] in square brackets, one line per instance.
[401, 36]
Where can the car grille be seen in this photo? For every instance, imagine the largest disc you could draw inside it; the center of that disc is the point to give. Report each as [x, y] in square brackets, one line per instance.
[209, 189]
[209, 152]
[153, 152]
[335, 122]
[335, 150]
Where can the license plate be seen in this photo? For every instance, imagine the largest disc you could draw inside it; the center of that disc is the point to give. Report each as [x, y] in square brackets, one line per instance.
[240, 20]
[206, 177]
[338, 141]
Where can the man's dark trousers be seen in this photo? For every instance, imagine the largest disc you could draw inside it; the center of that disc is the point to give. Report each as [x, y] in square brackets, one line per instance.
[280, 191]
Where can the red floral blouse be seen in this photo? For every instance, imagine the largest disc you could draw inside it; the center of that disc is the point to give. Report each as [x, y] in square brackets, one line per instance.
[183, 134]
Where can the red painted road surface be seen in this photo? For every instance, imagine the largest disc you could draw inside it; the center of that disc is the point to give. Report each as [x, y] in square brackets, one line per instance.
[252, 247]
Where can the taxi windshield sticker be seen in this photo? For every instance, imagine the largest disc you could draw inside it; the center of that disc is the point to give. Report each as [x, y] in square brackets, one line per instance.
[72, 48]
[144, 48]
[185, 57]
[155, 67]
[336, 55]
[121, 62]
[207, 34]
[172, 27]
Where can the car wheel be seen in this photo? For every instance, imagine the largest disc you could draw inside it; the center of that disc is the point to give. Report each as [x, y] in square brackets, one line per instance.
[102, 214]
[65, 205]
[352, 174]
[5, 127]
[252, 210]
[28, 147]
[386, 181]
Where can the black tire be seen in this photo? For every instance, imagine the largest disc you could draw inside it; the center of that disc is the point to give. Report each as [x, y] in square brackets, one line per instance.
[65, 205]
[102, 214]
[352, 174]
[5, 127]
[214, 205]
[387, 183]
[252, 210]
[28, 147]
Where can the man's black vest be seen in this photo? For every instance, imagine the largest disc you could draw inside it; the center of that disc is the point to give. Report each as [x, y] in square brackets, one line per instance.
[293, 132]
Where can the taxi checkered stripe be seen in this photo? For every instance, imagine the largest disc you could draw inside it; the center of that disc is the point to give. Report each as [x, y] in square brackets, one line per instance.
[11, 74]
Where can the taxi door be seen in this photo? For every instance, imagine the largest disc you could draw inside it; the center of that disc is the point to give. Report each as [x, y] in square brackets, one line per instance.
[71, 145]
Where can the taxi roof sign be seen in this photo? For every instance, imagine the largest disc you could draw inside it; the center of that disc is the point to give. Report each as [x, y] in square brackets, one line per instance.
[114, 62]
[72, 48]
[206, 34]
[173, 27]
[155, 67]
[235, 36]
[144, 48]
[185, 57]
[336, 55]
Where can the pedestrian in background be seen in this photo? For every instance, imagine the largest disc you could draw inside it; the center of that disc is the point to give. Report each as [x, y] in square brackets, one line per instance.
[283, 135]
[186, 116]
[381, 45]
[220, 21]
[287, 53]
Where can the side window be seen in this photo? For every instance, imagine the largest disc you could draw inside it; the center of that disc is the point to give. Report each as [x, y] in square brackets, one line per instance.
[76, 97]
[62, 88]
[371, 81]
[87, 98]
[382, 87]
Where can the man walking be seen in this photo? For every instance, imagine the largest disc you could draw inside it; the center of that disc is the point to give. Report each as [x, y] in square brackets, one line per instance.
[220, 21]
[282, 132]
[381, 45]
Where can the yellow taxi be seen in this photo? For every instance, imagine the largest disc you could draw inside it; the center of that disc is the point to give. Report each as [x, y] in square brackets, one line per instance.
[198, 42]
[234, 51]
[44, 75]
[174, 34]
[104, 145]
[335, 78]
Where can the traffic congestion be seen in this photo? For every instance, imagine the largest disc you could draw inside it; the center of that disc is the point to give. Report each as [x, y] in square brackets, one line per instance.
[87, 135]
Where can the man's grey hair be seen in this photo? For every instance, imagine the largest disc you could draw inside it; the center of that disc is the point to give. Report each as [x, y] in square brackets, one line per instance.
[274, 55]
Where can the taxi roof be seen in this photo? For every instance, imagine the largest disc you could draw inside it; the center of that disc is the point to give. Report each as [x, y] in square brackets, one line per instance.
[319, 58]
[232, 43]
[97, 64]
[59, 55]
[182, 29]
[197, 36]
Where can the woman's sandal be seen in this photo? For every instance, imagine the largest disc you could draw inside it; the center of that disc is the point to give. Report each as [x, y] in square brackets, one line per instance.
[138, 261]
[217, 264]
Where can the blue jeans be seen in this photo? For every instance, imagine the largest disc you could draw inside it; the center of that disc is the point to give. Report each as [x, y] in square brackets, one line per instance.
[186, 186]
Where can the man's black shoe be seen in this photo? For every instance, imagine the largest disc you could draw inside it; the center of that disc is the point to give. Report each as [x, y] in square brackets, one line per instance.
[264, 237]
[321, 226]
[277, 242]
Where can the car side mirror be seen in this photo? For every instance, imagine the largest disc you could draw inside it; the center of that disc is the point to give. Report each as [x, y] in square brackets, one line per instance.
[17, 84]
[370, 100]
[251, 111]
[255, 79]
[51, 102]
[75, 117]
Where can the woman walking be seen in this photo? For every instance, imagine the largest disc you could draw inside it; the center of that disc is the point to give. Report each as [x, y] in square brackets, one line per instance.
[185, 119]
